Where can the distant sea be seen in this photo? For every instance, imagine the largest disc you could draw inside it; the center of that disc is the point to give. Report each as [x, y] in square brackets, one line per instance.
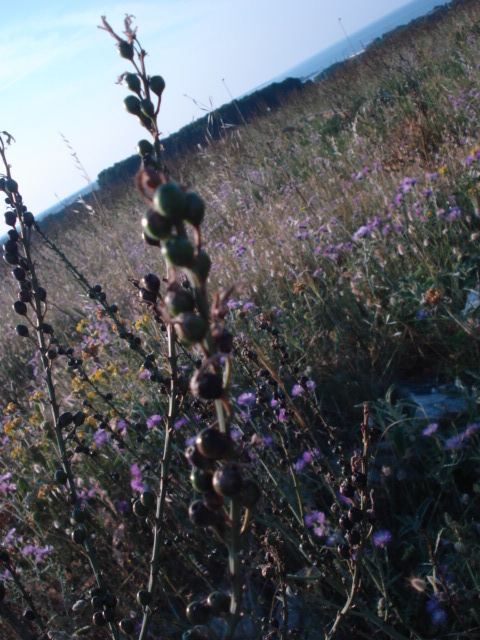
[354, 43]
[351, 44]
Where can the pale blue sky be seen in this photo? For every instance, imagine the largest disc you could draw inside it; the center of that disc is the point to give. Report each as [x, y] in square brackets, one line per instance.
[58, 71]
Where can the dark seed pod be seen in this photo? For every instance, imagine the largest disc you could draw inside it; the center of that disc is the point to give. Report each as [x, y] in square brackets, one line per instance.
[79, 418]
[144, 147]
[147, 108]
[218, 602]
[10, 218]
[347, 489]
[78, 536]
[200, 515]
[343, 551]
[207, 386]
[195, 458]
[212, 444]
[178, 301]
[359, 480]
[201, 265]
[345, 522]
[78, 515]
[178, 251]
[157, 85]
[228, 480]
[109, 615]
[250, 493]
[151, 282]
[170, 201]
[144, 598]
[28, 218]
[148, 498]
[61, 477]
[155, 226]
[127, 626]
[97, 602]
[190, 327]
[353, 537]
[11, 185]
[24, 295]
[11, 246]
[42, 294]
[133, 82]
[194, 209]
[20, 308]
[98, 619]
[212, 500]
[197, 612]
[139, 509]
[65, 418]
[21, 330]
[355, 514]
[29, 615]
[371, 516]
[132, 105]
[201, 479]
[126, 50]
[110, 601]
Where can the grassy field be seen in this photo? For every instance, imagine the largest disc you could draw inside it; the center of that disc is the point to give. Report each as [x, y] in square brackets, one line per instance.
[343, 233]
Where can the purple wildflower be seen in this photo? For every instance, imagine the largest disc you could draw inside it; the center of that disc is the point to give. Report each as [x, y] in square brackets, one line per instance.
[297, 390]
[283, 416]
[382, 538]
[247, 399]
[136, 481]
[154, 421]
[182, 422]
[101, 437]
[430, 428]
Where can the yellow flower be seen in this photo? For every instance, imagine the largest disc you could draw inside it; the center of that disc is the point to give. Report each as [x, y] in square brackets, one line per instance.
[16, 422]
[91, 421]
[38, 396]
[10, 408]
[8, 428]
[442, 170]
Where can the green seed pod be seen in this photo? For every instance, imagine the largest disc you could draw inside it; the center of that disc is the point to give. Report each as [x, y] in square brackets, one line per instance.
[144, 147]
[133, 82]
[126, 50]
[201, 265]
[132, 105]
[201, 479]
[197, 612]
[148, 498]
[147, 108]
[218, 602]
[228, 481]
[157, 85]
[191, 328]
[170, 200]
[178, 250]
[155, 226]
[195, 208]
[11, 185]
[178, 301]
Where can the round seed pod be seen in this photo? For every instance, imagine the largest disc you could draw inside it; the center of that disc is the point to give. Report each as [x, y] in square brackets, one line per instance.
[61, 477]
[11, 258]
[178, 301]
[151, 282]
[24, 295]
[212, 500]
[79, 515]
[144, 598]
[207, 386]
[13, 235]
[194, 208]
[79, 418]
[139, 509]
[347, 489]
[355, 514]
[200, 515]
[148, 498]
[78, 536]
[353, 537]
[201, 265]
[10, 218]
[147, 108]
[65, 418]
[343, 551]
[98, 619]
[190, 327]
[28, 218]
[126, 50]
[212, 444]
[197, 612]
[178, 251]
[359, 480]
[11, 185]
[228, 480]
[144, 147]
[250, 493]
[132, 105]
[170, 201]
[195, 458]
[345, 522]
[10, 246]
[157, 85]
[218, 602]
[22, 330]
[29, 615]
[155, 226]
[133, 83]
[20, 308]
[127, 626]
[201, 479]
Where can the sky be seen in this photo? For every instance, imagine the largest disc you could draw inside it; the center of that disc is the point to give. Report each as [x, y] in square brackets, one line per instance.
[58, 72]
